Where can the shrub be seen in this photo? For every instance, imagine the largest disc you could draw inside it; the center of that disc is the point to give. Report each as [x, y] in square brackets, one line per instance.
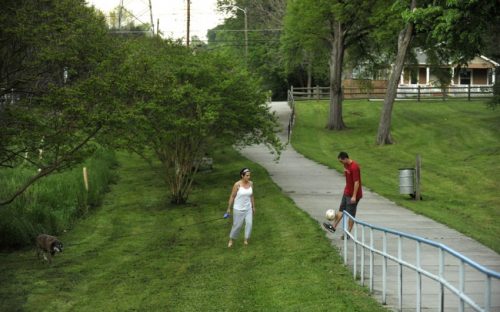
[495, 101]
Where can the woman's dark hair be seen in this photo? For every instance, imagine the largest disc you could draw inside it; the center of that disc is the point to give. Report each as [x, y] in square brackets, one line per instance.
[243, 171]
[343, 155]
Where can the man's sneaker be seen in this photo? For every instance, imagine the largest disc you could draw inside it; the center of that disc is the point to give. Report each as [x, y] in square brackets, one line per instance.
[329, 227]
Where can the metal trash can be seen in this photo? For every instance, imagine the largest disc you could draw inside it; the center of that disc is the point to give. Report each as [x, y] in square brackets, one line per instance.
[406, 181]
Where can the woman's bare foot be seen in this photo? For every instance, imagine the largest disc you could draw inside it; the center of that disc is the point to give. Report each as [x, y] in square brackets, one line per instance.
[230, 244]
[245, 242]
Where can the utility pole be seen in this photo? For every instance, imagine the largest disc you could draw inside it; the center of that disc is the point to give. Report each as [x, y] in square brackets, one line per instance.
[120, 15]
[151, 16]
[188, 20]
[246, 35]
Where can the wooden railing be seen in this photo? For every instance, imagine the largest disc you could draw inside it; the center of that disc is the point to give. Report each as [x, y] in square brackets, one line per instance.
[404, 92]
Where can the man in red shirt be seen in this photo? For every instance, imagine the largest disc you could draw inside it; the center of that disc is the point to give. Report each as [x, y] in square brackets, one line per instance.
[352, 192]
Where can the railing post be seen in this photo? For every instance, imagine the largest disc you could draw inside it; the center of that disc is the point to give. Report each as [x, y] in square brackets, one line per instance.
[384, 270]
[400, 273]
[441, 276]
[419, 279]
[355, 249]
[461, 285]
[487, 294]
[371, 260]
[363, 255]
[344, 226]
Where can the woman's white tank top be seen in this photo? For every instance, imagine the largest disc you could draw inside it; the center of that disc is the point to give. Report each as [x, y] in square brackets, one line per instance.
[243, 200]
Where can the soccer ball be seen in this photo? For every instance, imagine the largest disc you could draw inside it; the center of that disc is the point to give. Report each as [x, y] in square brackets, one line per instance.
[330, 214]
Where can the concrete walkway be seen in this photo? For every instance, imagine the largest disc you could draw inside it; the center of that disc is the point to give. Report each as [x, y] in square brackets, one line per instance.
[316, 188]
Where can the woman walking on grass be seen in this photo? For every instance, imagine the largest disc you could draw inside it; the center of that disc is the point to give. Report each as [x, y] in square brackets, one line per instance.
[243, 208]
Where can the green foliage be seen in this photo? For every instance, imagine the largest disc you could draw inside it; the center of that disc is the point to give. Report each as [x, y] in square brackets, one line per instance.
[52, 205]
[456, 30]
[185, 104]
[301, 46]
[495, 101]
[140, 253]
[458, 143]
[58, 58]
[264, 56]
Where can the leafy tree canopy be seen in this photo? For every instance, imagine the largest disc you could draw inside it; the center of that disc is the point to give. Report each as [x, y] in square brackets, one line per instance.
[54, 83]
[186, 104]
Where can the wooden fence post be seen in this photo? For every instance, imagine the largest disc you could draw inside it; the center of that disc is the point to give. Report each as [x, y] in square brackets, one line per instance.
[317, 93]
[418, 93]
[85, 179]
[418, 168]
[468, 92]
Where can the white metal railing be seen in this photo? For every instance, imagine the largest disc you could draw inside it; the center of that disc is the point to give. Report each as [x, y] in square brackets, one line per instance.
[459, 292]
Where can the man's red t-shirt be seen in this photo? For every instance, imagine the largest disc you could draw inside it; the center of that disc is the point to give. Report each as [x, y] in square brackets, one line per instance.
[352, 174]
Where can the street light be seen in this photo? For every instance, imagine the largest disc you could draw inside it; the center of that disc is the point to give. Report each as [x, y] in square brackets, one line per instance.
[246, 28]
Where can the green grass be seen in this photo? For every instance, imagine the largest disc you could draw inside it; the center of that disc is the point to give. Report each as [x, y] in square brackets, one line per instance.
[54, 203]
[138, 252]
[459, 143]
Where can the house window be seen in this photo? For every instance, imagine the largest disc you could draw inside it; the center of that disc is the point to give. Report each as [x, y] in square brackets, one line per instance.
[465, 76]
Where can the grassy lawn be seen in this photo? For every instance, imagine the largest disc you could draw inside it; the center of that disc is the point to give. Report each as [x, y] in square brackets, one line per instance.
[459, 143]
[138, 252]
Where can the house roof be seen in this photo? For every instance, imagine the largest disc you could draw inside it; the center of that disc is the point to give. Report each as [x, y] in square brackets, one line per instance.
[489, 60]
[477, 62]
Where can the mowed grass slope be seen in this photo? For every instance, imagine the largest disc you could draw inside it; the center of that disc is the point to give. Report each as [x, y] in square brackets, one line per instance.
[459, 143]
[138, 252]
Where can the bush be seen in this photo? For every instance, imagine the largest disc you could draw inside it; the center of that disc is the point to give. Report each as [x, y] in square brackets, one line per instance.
[495, 101]
[52, 204]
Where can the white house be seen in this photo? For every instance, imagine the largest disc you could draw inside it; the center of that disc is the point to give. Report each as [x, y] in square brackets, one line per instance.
[480, 71]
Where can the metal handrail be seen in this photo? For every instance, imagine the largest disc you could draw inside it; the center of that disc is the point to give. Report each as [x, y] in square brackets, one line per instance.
[459, 292]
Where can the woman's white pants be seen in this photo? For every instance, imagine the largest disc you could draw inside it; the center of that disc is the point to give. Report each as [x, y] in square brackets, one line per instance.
[238, 217]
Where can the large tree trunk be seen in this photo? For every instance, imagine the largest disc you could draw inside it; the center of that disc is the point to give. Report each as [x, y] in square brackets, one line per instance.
[384, 127]
[335, 121]
[180, 162]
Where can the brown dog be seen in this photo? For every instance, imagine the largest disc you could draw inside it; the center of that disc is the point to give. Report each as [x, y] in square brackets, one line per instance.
[48, 245]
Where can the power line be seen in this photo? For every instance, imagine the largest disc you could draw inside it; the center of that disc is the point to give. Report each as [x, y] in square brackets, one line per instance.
[238, 30]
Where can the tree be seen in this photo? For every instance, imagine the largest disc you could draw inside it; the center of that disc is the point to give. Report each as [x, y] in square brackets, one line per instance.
[404, 40]
[303, 49]
[264, 27]
[55, 65]
[340, 24]
[187, 103]
[454, 30]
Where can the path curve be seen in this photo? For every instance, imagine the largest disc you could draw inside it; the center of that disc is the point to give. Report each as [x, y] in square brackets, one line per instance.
[316, 188]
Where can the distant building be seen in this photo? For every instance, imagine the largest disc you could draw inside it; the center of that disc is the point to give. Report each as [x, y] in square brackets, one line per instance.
[480, 71]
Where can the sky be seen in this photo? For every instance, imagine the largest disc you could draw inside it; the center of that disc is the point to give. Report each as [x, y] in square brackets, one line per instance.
[171, 13]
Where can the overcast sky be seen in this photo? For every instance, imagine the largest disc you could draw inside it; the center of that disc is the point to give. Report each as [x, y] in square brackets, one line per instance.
[172, 14]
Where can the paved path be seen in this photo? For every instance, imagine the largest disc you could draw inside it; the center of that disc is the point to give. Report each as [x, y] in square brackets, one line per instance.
[316, 188]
